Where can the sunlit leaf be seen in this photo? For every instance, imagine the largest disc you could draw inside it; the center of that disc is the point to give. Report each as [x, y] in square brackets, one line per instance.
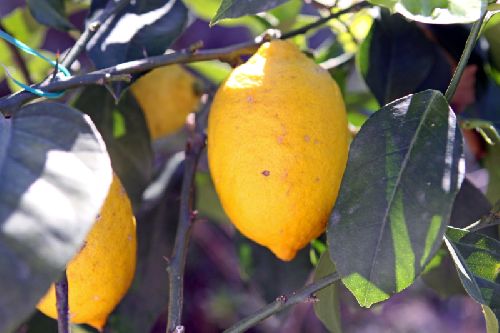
[238, 8]
[404, 169]
[143, 28]
[437, 11]
[477, 259]
[55, 175]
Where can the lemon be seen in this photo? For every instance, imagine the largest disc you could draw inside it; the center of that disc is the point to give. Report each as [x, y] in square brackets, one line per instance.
[277, 147]
[102, 271]
[166, 95]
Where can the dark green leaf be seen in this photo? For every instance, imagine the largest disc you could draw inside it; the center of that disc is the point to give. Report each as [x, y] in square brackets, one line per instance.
[469, 206]
[130, 152]
[477, 258]
[404, 169]
[441, 276]
[437, 11]
[238, 8]
[328, 306]
[397, 59]
[143, 28]
[55, 175]
[491, 162]
[50, 12]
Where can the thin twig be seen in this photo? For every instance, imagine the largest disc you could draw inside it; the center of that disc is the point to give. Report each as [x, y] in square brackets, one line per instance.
[464, 58]
[112, 8]
[18, 58]
[10, 103]
[354, 8]
[62, 305]
[187, 215]
[283, 302]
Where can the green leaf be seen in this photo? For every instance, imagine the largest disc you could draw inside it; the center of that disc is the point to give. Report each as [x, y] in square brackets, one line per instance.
[50, 12]
[471, 205]
[491, 320]
[327, 308]
[397, 59]
[404, 169]
[143, 28]
[55, 175]
[130, 151]
[491, 32]
[213, 70]
[441, 276]
[477, 259]
[238, 8]
[437, 11]
[491, 162]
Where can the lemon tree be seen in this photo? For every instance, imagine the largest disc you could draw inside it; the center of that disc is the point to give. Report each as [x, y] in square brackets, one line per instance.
[202, 159]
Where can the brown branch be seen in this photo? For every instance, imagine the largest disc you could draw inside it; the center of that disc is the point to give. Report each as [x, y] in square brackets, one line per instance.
[187, 215]
[228, 54]
[62, 305]
[283, 302]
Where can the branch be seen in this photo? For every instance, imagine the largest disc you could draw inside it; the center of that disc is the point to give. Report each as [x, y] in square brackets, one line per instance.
[18, 58]
[464, 58]
[194, 148]
[283, 302]
[109, 12]
[354, 8]
[62, 305]
[225, 54]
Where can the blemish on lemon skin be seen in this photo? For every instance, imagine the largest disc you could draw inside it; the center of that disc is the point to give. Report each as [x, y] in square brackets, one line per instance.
[266, 173]
[282, 124]
[316, 141]
[316, 179]
[250, 99]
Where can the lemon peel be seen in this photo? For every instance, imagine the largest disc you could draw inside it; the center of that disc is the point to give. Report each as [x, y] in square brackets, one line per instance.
[277, 147]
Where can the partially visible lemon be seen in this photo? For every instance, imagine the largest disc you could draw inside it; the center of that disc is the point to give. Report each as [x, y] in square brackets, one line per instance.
[101, 273]
[277, 147]
[166, 95]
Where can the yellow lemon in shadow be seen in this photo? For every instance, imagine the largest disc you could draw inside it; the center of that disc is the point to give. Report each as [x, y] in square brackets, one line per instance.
[277, 147]
[166, 95]
[101, 272]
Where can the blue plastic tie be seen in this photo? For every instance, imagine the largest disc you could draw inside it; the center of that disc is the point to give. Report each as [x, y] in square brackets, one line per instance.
[25, 48]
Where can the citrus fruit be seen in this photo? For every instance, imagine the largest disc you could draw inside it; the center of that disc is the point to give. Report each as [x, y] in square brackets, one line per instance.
[166, 95]
[102, 271]
[277, 147]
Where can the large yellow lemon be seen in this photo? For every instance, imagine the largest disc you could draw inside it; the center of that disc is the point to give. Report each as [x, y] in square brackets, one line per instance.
[101, 273]
[277, 147]
[166, 95]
